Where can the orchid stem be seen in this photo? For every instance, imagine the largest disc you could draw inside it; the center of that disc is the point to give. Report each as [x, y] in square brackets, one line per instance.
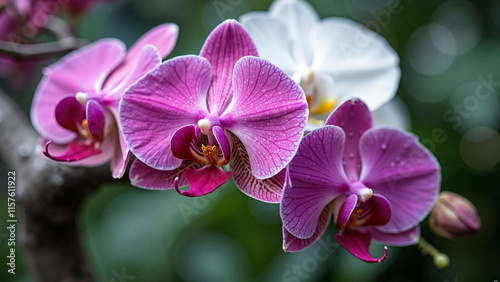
[441, 260]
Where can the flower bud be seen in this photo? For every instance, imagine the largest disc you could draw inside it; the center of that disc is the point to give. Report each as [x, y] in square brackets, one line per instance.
[453, 216]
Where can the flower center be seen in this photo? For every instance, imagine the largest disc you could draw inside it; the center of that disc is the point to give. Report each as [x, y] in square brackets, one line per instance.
[210, 153]
[353, 218]
[318, 101]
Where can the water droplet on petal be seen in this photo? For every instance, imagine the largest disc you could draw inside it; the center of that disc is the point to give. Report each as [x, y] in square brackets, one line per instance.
[392, 164]
[406, 145]
[383, 146]
[351, 134]
[402, 163]
[351, 155]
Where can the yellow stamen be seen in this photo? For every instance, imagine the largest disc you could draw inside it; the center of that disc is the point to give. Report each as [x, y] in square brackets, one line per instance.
[353, 218]
[322, 107]
[86, 133]
[210, 153]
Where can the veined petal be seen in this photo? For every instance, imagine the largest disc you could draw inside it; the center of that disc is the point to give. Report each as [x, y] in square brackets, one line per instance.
[268, 114]
[267, 190]
[146, 60]
[399, 168]
[182, 141]
[169, 97]
[294, 244]
[83, 70]
[204, 180]
[225, 45]
[147, 177]
[360, 61]
[162, 38]
[70, 113]
[317, 179]
[405, 238]
[299, 17]
[95, 119]
[270, 35]
[121, 156]
[357, 244]
[354, 118]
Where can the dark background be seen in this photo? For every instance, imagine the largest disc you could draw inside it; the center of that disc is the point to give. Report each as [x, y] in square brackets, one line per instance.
[447, 49]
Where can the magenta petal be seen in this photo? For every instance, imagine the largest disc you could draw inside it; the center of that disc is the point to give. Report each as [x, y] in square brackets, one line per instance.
[147, 177]
[344, 213]
[225, 45]
[82, 70]
[357, 244]
[268, 114]
[399, 168]
[76, 151]
[354, 118]
[70, 113]
[204, 180]
[181, 143]
[162, 38]
[148, 59]
[169, 97]
[95, 119]
[294, 244]
[268, 190]
[405, 238]
[316, 180]
[378, 209]
[223, 141]
[120, 158]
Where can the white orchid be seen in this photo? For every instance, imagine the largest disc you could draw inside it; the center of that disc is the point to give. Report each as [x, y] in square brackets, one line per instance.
[333, 59]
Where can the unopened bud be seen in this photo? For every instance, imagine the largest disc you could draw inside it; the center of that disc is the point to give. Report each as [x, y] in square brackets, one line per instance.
[453, 216]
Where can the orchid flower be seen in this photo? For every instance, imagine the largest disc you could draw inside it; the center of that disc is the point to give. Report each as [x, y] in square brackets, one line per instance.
[75, 107]
[190, 117]
[378, 184]
[333, 59]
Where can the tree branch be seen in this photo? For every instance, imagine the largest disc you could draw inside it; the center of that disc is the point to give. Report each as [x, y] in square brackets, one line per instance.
[50, 196]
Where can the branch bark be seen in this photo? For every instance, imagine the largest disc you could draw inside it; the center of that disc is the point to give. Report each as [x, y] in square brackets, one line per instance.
[49, 197]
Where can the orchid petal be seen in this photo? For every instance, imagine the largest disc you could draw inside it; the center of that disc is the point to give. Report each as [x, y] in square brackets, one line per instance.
[354, 118]
[147, 177]
[70, 113]
[83, 70]
[204, 180]
[162, 38]
[95, 119]
[182, 141]
[147, 59]
[222, 139]
[174, 94]
[405, 238]
[271, 38]
[392, 114]
[399, 168]
[345, 209]
[75, 152]
[378, 209]
[227, 43]
[360, 61]
[120, 158]
[357, 244]
[267, 190]
[317, 178]
[300, 18]
[268, 114]
[106, 147]
[294, 244]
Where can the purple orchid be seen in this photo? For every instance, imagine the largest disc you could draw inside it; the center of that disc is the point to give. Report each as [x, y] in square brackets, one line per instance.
[378, 183]
[193, 115]
[75, 107]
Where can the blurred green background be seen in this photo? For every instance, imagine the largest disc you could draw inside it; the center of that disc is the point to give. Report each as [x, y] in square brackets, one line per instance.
[447, 49]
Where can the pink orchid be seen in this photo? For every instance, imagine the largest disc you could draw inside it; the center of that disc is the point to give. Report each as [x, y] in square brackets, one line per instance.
[193, 115]
[76, 103]
[378, 184]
